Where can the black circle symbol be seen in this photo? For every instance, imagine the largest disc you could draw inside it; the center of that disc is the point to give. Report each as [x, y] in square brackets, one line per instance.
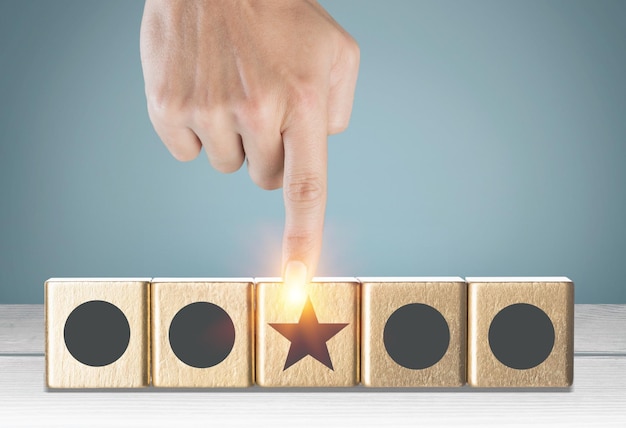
[96, 333]
[521, 336]
[416, 336]
[202, 334]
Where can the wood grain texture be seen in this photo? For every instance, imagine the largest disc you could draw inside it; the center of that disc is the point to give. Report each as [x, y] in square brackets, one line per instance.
[382, 299]
[329, 302]
[130, 367]
[598, 329]
[168, 297]
[596, 399]
[21, 329]
[553, 298]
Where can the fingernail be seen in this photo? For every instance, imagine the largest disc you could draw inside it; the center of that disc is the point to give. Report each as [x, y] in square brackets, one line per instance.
[295, 273]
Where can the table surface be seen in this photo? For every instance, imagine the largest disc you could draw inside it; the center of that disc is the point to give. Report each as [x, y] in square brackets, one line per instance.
[597, 398]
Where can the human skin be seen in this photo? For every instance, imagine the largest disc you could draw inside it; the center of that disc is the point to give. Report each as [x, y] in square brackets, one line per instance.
[262, 80]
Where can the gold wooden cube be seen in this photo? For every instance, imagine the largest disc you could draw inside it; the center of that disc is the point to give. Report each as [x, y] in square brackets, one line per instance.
[413, 331]
[307, 335]
[203, 332]
[97, 332]
[520, 332]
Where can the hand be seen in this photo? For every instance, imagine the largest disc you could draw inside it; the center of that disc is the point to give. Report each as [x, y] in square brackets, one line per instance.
[265, 81]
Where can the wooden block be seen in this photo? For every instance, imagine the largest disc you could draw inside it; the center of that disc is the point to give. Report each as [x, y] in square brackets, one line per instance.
[307, 336]
[413, 331]
[520, 332]
[203, 332]
[97, 332]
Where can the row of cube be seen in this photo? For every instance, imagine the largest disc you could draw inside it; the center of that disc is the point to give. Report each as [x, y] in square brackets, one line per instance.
[381, 332]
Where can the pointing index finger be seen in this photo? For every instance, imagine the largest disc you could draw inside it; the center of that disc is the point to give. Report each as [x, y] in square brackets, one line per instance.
[304, 191]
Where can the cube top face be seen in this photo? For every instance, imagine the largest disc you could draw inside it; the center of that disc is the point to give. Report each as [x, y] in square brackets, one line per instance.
[410, 279]
[316, 280]
[203, 332]
[520, 332]
[516, 279]
[307, 338]
[413, 332]
[203, 280]
[97, 332]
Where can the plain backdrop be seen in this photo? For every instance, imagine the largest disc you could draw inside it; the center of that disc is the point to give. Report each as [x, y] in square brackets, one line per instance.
[487, 138]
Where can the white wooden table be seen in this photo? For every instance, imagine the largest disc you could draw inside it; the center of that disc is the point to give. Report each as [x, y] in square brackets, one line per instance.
[598, 397]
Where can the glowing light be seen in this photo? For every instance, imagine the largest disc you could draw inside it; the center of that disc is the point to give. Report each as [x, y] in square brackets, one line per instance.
[296, 294]
[295, 282]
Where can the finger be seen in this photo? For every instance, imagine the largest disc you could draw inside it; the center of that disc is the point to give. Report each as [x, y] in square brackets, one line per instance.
[222, 144]
[304, 187]
[265, 156]
[181, 142]
[224, 151]
[343, 84]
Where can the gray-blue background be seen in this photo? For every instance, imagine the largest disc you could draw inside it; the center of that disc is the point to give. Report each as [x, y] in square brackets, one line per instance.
[487, 138]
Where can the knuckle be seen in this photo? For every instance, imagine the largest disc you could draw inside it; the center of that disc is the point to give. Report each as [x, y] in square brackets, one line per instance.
[225, 166]
[205, 117]
[255, 115]
[354, 50]
[351, 56]
[225, 162]
[337, 127]
[306, 97]
[165, 108]
[304, 189]
[349, 50]
[183, 155]
[264, 181]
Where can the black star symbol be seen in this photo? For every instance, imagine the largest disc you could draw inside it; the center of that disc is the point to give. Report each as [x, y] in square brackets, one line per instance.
[308, 337]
